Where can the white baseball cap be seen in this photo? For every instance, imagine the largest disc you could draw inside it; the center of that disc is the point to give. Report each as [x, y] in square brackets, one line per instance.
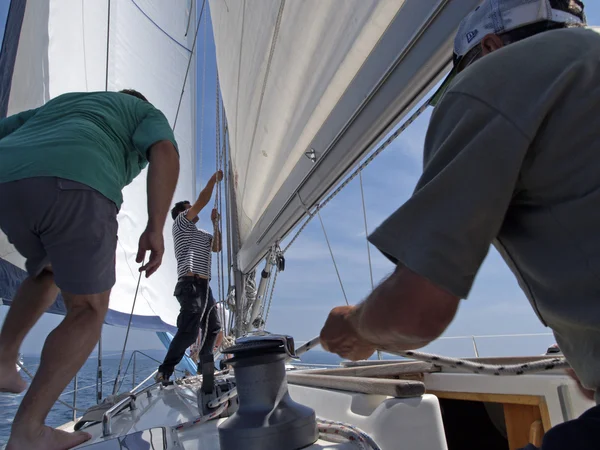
[500, 16]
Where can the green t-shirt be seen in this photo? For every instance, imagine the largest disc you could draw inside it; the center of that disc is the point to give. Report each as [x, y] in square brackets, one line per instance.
[99, 139]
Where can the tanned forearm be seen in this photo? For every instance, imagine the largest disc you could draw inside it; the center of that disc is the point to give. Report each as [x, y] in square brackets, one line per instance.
[162, 180]
[203, 198]
[404, 312]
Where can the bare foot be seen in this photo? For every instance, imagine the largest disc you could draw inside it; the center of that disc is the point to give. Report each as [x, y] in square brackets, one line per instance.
[11, 381]
[47, 439]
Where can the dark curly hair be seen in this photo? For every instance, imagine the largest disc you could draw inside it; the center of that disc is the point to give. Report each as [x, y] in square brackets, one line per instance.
[179, 208]
[134, 93]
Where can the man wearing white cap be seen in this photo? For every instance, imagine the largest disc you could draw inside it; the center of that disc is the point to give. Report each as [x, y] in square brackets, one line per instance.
[511, 158]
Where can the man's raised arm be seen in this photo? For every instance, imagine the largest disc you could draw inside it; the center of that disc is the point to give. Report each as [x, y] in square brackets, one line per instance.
[204, 196]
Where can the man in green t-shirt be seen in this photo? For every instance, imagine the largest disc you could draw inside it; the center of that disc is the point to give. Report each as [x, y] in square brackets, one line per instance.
[62, 169]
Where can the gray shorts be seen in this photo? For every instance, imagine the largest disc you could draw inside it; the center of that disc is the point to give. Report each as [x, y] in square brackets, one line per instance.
[63, 223]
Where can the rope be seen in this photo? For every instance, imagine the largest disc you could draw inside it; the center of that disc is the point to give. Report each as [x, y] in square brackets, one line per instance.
[489, 369]
[475, 367]
[332, 430]
[201, 339]
[333, 258]
[137, 288]
[201, 419]
[271, 296]
[364, 208]
[359, 169]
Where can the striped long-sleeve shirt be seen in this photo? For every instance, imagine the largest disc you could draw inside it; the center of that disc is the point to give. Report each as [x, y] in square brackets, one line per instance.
[192, 247]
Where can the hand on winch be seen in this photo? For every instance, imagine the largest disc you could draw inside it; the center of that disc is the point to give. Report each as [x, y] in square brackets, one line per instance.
[405, 312]
[340, 334]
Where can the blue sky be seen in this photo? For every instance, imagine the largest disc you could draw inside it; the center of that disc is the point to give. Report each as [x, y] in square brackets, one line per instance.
[309, 287]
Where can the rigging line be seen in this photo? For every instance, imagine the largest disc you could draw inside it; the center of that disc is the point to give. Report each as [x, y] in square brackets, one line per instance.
[133, 277]
[360, 168]
[271, 296]
[264, 86]
[115, 387]
[187, 71]
[364, 208]
[107, 47]
[332, 257]
[30, 375]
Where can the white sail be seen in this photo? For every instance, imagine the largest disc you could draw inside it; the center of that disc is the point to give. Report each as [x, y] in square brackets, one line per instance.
[329, 76]
[73, 45]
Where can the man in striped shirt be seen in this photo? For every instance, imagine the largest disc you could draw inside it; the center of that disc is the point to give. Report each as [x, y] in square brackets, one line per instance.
[193, 249]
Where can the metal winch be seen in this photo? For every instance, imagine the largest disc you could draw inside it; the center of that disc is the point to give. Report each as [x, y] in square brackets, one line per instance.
[267, 418]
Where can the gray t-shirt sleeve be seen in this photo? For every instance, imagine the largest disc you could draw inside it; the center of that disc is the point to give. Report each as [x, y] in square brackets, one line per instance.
[472, 160]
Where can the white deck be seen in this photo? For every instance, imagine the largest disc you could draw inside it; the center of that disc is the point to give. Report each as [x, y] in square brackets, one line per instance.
[381, 417]
[395, 424]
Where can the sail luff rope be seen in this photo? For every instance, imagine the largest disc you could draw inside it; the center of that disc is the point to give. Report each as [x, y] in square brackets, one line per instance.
[333, 257]
[359, 169]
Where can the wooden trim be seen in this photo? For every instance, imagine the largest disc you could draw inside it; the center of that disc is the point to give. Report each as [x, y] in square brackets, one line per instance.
[545, 414]
[392, 388]
[382, 370]
[532, 400]
[536, 433]
[519, 421]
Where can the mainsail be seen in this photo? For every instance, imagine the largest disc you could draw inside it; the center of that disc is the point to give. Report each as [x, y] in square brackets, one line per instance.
[56, 46]
[309, 87]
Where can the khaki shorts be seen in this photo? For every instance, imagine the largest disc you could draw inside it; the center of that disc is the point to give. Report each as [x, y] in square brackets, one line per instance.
[63, 223]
